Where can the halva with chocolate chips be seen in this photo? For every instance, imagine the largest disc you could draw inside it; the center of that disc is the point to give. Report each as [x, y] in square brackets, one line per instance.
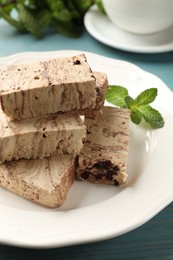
[44, 87]
[103, 157]
[39, 122]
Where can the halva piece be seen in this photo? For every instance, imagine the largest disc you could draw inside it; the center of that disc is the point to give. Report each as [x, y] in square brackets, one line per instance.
[101, 87]
[44, 87]
[44, 181]
[103, 157]
[40, 137]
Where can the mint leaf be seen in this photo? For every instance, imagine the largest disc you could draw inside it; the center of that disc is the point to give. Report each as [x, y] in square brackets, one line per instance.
[44, 17]
[146, 97]
[136, 117]
[139, 107]
[29, 21]
[67, 29]
[59, 10]
[152, 116]
[83, 5]
[130, 102]
[6, 16]
[7, 7]
[116, 95]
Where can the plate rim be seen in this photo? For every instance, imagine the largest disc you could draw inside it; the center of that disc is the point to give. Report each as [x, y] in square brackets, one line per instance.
[52, 244]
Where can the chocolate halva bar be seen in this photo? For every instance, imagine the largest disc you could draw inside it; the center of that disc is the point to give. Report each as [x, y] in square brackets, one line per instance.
[40, 137]
[44, 181]
[103, 157]
[44, 87]
[101, 87]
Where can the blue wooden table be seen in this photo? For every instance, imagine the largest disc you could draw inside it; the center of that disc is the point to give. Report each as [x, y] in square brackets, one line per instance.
[153, 240]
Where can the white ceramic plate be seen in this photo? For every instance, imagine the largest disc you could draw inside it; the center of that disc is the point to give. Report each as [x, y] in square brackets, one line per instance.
[96, 212]
[102, 29]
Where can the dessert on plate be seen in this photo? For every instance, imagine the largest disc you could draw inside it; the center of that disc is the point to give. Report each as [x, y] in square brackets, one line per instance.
[54, 128]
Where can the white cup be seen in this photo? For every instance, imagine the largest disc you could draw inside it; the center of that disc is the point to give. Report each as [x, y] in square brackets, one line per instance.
[140, 16]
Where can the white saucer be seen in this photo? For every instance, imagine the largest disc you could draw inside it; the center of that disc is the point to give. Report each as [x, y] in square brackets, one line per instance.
[102, 29]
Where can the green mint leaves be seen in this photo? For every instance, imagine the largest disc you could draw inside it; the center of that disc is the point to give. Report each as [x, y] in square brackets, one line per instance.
[139, 107]
[35, 16]
[116, 95]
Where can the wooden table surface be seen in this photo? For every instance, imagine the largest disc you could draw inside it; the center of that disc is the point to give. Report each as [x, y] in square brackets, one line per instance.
[153, 240]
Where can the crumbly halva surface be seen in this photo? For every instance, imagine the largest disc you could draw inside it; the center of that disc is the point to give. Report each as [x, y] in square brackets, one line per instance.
[103, 157]
[44, 181]
[41, 137]
[101, 87]
[44, 87]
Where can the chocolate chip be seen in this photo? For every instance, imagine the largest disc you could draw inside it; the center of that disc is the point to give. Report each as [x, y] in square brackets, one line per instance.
[98, 177]
[36, 77]
[103, 164]
[85, 175]
[88, 132]
[76, 62]
[116, 168]
[116, 182]
[109, 176]
[97, 90]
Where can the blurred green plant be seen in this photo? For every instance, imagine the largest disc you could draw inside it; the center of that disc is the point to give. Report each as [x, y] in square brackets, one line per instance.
[34, 16]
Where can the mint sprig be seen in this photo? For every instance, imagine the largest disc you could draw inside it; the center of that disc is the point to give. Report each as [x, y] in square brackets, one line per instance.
[140, 106]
